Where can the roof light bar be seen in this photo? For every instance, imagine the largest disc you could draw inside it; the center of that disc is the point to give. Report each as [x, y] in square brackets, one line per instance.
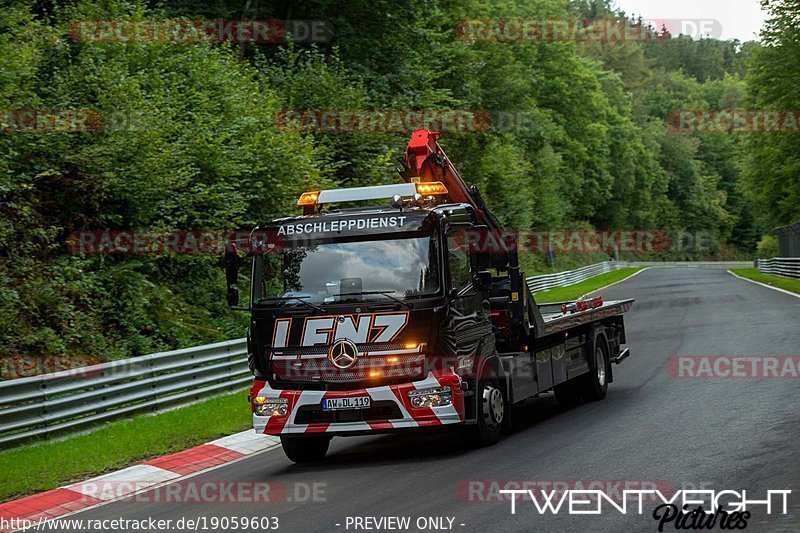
[431, 188]
[308, 198]
[377, 192]
[356, 194]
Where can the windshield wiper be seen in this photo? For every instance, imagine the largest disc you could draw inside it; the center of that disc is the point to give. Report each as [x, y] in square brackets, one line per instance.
[298, 298]
[388, 294]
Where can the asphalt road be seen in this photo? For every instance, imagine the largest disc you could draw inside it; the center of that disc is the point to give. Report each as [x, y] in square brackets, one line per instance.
[653, 427]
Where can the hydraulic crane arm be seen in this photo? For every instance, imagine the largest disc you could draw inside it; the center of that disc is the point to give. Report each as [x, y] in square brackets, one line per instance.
[425, 161]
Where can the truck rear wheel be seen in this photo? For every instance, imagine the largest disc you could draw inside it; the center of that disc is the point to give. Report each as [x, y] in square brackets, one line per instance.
[305, 449]
[595, 383]
[490, 412]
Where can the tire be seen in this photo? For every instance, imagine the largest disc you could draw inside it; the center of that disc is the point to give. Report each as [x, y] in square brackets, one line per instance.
[594, 385]
[305, 449]
[490, 413]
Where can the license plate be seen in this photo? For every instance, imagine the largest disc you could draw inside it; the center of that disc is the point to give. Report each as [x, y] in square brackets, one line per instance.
[355, 402]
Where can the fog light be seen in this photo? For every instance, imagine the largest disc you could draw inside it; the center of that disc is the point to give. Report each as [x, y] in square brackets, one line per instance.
[433, 397]
[270, 406]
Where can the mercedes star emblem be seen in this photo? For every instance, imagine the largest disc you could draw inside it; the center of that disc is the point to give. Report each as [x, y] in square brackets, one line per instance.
[343, 353]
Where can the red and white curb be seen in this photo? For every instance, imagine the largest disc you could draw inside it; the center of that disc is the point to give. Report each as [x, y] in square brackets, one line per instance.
[134, 479]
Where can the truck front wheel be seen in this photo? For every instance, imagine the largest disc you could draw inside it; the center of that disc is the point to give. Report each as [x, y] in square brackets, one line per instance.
[490, 412]
[305, 449]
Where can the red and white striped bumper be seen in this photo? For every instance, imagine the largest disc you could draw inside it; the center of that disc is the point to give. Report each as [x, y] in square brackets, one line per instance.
[393, 398]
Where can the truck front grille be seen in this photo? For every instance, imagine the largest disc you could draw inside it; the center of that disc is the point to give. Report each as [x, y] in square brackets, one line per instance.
[321, 370]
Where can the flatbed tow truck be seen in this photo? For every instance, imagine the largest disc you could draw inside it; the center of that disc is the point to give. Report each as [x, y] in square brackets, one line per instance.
[396, 317]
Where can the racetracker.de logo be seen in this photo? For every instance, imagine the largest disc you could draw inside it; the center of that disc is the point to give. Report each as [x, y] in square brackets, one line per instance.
[193, 491]
[734, 366]
[23, 366]
[734, 121]
[491, 490]
[590, 30]
[50, 121]
[381, 120]
[173, 31]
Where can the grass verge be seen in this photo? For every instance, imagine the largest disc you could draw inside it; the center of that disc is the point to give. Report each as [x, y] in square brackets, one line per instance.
[562, 294]
[47, 465]
[787, 284]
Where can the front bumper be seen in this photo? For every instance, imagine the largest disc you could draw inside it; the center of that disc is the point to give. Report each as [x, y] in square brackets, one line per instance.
[392, 408]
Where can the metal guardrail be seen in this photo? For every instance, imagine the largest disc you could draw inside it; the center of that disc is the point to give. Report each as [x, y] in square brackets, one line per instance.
[71, 399]
[691, 264]
[74, 399]
[571, 277]
[782, 266]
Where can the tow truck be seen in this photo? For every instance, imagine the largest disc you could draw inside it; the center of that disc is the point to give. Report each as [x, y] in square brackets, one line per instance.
[384, 309]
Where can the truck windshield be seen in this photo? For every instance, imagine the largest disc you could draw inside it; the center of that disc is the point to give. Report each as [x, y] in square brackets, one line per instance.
[348, 270]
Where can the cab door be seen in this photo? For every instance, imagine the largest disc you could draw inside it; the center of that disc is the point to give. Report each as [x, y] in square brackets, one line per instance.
[467, 325]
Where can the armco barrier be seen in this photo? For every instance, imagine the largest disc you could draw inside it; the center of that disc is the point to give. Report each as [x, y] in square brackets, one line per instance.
[75, 399]
[782, 266]
[691, 264]
[72, 399]
[570, 277]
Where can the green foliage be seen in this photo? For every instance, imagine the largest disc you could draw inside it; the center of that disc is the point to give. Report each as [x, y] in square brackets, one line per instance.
[189, 145]
[772, 164]
[767, 247]
[191, 142]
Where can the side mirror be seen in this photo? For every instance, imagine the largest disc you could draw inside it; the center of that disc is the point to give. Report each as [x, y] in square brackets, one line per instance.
[483, 280]
[232, 276]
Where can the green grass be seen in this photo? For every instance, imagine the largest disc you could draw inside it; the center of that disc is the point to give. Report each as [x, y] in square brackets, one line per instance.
[562, 294]
[787, 284]
[49, 464]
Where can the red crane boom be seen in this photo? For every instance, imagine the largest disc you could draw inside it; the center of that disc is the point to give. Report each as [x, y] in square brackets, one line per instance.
[426, 161]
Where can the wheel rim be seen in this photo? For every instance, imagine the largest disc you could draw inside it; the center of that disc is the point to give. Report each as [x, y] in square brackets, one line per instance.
[493, 408]
[600, 364]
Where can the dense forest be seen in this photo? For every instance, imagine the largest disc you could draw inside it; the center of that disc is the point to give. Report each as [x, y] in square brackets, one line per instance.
[190, 141]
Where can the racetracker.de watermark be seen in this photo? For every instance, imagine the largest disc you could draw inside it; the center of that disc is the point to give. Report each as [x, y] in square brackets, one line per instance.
[51, 120]
[216, 242]
[380, 120]
[22, 366]
[588, 30]
[176, 31]
[492, 490]
[212, 242]
[734, 121]
[194, 491]
[734, 366]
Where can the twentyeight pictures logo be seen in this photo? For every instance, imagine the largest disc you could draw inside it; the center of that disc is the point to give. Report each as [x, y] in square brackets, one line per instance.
[685, 509]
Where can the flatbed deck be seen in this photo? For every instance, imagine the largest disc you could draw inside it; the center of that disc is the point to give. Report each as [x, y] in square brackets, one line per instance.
[555, 321]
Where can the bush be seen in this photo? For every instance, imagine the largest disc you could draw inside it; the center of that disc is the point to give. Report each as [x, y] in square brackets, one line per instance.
[767, 247]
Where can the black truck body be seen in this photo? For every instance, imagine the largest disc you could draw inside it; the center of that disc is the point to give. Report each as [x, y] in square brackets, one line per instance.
[396, 317]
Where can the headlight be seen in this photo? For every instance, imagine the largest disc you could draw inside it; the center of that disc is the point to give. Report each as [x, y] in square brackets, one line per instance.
[433, 397]
[270, 406]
